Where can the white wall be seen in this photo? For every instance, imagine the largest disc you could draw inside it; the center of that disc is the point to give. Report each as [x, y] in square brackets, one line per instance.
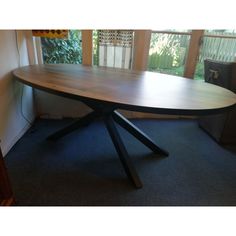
[50, 106]
[13, 109]
[55, 107]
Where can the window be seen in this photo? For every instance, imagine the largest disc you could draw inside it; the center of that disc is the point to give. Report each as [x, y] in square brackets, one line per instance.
[168, 50]
[219, 45]
[95, 48]
[113, 48]
[68, 51]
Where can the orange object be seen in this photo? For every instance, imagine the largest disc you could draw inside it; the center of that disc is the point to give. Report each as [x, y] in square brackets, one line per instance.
[62, 34]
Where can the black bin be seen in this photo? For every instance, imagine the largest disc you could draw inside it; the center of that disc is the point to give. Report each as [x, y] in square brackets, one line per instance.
[222, 127]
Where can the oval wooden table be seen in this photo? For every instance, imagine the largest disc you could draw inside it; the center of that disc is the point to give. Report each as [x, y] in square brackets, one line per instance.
[105, 90]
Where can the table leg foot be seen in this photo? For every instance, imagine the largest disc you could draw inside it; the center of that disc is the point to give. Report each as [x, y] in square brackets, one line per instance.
[122, 152]
[137, 133]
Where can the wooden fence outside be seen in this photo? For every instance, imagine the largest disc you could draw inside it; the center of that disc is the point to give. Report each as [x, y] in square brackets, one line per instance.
[221, 49]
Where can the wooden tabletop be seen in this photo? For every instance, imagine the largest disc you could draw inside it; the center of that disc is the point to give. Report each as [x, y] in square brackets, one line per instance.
[127, 89]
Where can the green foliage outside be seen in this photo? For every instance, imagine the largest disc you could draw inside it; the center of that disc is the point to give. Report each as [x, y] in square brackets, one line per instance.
[199, 71]
[95, 48]
[67, 51]
[167, 53]
[179, 71]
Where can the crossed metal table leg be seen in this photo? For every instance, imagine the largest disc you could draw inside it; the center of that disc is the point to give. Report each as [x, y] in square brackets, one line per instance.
[110, 116]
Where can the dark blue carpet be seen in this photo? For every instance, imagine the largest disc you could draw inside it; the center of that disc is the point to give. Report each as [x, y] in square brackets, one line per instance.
[83, 169]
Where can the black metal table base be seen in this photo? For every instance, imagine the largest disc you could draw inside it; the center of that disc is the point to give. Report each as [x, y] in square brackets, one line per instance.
[109, 117]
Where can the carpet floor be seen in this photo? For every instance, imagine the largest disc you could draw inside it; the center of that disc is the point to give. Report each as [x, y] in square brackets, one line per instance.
[83, 169]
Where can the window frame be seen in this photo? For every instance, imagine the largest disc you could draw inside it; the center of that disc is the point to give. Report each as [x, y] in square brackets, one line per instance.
[193, 52]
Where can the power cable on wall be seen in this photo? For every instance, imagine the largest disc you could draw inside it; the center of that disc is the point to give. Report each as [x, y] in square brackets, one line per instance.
[23, 86]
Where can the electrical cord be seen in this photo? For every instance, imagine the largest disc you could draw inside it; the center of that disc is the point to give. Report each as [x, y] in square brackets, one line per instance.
[23, 86]
[21, 107]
